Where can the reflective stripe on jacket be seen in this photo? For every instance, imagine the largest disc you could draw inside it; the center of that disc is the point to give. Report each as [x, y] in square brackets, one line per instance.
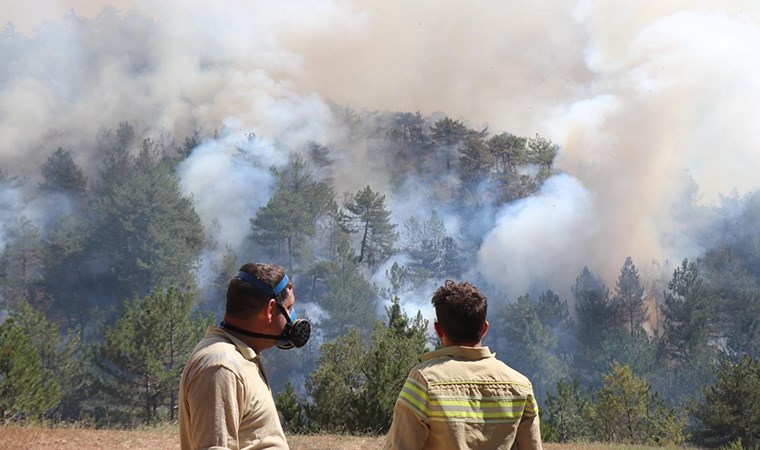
[464, 398]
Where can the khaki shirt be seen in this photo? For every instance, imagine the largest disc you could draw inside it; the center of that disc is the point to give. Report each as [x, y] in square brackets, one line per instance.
[465, 398]
[224, 398]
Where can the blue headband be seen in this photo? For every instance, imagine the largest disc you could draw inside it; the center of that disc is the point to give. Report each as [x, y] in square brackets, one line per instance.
[260, 285]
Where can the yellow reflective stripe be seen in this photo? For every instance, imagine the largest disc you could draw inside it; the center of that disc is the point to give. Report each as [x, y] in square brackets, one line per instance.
[482, 402]
[415, 387]
[415, 397]
[479, 409]
[474, 415]
[531, 407]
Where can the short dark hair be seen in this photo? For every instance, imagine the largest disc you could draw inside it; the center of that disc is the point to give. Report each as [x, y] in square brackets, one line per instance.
[245, 300]
[461, 310]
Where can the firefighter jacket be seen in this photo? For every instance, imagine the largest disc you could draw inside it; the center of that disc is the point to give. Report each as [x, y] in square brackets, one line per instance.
[465, 398]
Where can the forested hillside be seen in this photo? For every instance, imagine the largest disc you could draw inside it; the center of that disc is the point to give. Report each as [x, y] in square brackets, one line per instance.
[135, 182]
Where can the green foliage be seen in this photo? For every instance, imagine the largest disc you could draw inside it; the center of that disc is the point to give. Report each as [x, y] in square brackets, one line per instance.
[735, 445]
[508, 152]
[349, 299]
[542, 151]
[626, 411]
[61, 174]
[448, 136]
[433, 253]
[66, 259]
[629, 296]
[289, 409]
[289, 220]
[475, 162]
[354, 387]
[686, 313]
[61, 355]
[687, 350]
[635, 349]
[27, 388]
[20, 262]
[532, 338]
[730, 411]
[144, 352]
[149, 230]
[335, 386]
[596, 316]
[395, 349]
[735, 290]
[367, 216]
[563, 418]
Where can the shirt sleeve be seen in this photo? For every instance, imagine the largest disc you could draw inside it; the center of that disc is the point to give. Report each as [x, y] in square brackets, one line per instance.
[215, 397]
[410, 426]
[529, 429]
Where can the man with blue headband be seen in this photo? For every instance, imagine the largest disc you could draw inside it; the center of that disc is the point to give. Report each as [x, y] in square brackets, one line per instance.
[225, 401]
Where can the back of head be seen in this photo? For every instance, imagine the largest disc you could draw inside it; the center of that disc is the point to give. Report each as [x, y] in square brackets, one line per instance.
[245, 300]
[461, 310]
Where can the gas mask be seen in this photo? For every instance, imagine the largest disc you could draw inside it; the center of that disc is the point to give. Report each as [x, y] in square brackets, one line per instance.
[296, 332]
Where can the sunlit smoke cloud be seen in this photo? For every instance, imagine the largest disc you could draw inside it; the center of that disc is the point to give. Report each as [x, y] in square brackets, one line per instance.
[229, 179]
[539, 241]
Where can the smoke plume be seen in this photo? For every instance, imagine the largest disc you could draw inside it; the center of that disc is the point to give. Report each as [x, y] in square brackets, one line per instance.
[646, 101]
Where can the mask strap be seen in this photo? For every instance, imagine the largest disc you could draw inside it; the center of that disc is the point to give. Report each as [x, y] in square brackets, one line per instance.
[227, 326]
[263, 287]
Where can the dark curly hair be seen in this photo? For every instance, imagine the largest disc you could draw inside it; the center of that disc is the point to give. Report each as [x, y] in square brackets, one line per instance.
[461, 310]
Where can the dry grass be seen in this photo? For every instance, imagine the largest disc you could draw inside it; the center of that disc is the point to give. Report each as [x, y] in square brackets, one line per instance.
[36, 437]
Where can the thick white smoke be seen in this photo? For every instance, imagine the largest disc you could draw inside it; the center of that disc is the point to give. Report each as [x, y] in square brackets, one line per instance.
[535, 238]
[645, 100]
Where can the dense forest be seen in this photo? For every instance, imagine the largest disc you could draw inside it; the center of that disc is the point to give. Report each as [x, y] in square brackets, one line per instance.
[137, 176]
[103, 300]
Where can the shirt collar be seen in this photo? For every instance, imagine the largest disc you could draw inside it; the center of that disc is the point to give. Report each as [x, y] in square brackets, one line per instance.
[242, 348]
[460, 351]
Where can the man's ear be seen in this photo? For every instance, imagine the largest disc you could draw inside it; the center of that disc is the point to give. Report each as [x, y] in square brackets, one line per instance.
[485, 330]
[438, 330]
[269, 310]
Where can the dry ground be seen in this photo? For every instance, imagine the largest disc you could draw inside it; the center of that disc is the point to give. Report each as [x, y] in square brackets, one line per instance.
[35, 437]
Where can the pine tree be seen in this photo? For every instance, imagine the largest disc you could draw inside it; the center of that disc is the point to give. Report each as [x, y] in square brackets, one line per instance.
[508, 152]
[564, 413]
[532, 338]
[27, 389]
[21, 263]
[149, 231]
[686, 311]
[627, 411]
[289, 409]
[61, 174]
[542, 151]
[629, 296]
[448, 135]
[334, 387]
[730, 411]
[289, 221]
[346, 296]
[66, 275]
[596, 316]
[368, 216]
[60, 354]
[355, 384]
[144, 352]
[433, 253]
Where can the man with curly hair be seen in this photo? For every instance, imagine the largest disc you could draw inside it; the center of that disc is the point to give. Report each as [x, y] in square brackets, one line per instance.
[461, 396]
